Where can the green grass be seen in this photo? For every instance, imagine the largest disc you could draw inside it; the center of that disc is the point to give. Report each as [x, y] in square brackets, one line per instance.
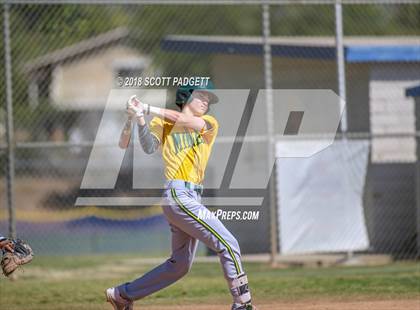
[78, 283]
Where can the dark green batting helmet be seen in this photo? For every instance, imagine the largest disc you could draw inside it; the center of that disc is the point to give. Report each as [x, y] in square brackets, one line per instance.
[183, 94]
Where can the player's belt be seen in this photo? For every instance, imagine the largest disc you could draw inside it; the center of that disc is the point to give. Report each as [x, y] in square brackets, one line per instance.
[180, 184]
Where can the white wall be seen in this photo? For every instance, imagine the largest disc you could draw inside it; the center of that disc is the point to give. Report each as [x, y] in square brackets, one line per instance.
[391, 112]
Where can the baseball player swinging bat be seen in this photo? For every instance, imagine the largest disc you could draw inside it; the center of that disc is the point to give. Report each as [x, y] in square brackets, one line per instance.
[185, 139]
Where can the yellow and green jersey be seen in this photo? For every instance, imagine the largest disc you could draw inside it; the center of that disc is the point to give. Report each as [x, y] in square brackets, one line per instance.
[185, 151]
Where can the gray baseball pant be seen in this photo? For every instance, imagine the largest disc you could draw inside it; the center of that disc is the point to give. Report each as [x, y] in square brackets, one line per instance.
[184, 212]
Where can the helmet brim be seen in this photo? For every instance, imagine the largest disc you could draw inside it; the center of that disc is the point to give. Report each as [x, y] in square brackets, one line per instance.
[212, 96]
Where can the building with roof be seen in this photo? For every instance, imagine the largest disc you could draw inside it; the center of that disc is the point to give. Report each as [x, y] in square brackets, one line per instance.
[80, 76]
[378, 69]
[77, 80]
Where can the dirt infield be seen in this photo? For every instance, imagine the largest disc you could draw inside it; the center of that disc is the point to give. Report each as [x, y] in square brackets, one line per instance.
[410, 304]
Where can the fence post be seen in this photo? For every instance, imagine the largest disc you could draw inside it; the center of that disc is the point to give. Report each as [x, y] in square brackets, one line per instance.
[10, 167]
[341, 74]
[341, 69]
[268, 83]
[417, 182]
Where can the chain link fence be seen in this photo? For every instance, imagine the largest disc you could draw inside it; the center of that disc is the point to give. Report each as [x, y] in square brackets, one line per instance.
[66, 57]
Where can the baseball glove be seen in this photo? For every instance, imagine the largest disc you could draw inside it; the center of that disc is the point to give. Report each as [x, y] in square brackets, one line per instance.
[22, 254]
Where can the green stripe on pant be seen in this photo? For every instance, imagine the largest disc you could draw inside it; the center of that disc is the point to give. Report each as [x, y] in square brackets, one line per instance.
[188, 212]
